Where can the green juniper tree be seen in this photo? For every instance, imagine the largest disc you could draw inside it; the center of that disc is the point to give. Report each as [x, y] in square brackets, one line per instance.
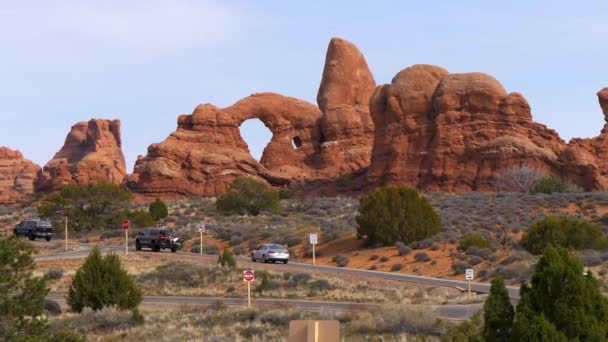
[158, 210]
[498, 313]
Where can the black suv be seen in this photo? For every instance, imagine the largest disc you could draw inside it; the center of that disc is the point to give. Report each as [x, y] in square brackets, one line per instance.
[34, 229]
[157, 239]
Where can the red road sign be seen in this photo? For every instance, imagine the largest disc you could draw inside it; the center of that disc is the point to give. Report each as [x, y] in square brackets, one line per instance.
[125, 224]
[248, 275]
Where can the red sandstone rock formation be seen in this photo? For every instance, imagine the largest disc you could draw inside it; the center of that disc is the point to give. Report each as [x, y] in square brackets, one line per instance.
[456, 132]
[17, 176]
[206, 152]
[343, 97]
[91, 153]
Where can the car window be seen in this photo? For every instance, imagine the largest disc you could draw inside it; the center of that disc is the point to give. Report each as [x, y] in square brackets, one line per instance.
[44, 224]
[276, 247]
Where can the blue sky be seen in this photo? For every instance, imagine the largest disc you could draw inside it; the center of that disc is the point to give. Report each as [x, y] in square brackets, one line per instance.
[146, 62]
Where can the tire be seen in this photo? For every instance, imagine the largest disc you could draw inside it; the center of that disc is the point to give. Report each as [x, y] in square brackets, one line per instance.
[155, 247]
[285, 261]
[264, 259]
[252, 258]
[173, 250]
[15, 233]
[48, 238]
[31, 237]
[137, 245]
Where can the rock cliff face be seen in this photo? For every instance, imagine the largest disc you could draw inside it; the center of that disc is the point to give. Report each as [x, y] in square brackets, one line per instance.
[91, 153]
[17, 176]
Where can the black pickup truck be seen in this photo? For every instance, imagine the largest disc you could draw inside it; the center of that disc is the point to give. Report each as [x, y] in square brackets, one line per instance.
[34, 229]
[157, 239]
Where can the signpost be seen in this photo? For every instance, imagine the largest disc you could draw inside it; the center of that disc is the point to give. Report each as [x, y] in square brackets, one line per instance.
[469, 277]
[248, 277]
[201, 229]
[66, 233]
[313, 242]
[125, 227]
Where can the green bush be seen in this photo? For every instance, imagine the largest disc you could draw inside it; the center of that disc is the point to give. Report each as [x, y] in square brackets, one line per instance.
[101, 282]
[248, 196]
[394, 214]
[473, 240]
[498, 313]
[227, 259]
[93, 206]
[158, 210]
[141, 219]
[553, 184]
[563, 231]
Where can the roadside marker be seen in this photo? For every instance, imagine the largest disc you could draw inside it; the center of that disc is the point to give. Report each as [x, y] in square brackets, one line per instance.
[201, 229]
[248, 277]
[66, 233]
[313, 242]
[125, 227]
[469, 277]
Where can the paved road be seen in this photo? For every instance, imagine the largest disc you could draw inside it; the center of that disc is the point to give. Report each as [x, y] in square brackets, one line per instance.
[451, 312]
[462, 285]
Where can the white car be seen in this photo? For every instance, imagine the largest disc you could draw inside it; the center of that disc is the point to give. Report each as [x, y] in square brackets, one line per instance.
[270, 252]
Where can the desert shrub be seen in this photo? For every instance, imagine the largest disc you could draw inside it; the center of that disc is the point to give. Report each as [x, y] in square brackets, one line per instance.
[423, 244]
[373, 268]
[252, 331]
[384, 258]
[474, 260]
[402, 248]
[340, 260]
[518, 179]
[396, 267]
[473, 240]
[373, 257]
[329, 236]
[52, 307]
[290, 240]
[140, 219]
[209, 250]
[54, 274]
[236, 240]
[158, 210]
[301, 277]
[101, 282]
[248, 196]
[483, 253]
[460, 267]
[563, 231]
[422, 257]
[552, 184]
[239, 250]
[320, 285]
[388, 215]
[396, 319]
[435, 247]
[519, 273]
[482, 273]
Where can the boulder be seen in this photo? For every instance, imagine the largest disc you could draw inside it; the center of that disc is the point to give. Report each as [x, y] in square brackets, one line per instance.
[17, 176]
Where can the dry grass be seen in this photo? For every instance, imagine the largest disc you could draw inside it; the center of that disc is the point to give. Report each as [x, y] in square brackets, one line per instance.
[220, 323]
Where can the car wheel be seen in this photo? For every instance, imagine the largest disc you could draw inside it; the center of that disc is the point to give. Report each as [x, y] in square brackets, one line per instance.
[137, 245]
[285, 261]
[252, 258]
[32, 237]
[15, 232]
[155, 248]
[48, 238]
[264, 259]
[173, 250]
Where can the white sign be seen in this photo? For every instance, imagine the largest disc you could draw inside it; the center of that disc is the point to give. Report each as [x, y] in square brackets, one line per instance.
[469, 274]
[201, 228]
[313, 239]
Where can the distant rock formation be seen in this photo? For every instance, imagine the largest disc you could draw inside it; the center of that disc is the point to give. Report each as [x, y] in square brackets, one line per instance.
[206, 152]
[17, 176]
[91, 153]
[437, 131]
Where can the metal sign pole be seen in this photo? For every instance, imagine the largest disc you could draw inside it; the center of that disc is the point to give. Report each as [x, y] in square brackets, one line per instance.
[249, 294]
[314, 261]
[66, 233]
[469, 286]
[126, 242]
[201, 242]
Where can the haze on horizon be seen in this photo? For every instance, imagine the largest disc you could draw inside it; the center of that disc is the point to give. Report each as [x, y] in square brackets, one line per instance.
[146, 62]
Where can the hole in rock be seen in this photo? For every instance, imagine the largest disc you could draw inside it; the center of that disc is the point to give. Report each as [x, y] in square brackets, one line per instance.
[256, 135]
[296, 142]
